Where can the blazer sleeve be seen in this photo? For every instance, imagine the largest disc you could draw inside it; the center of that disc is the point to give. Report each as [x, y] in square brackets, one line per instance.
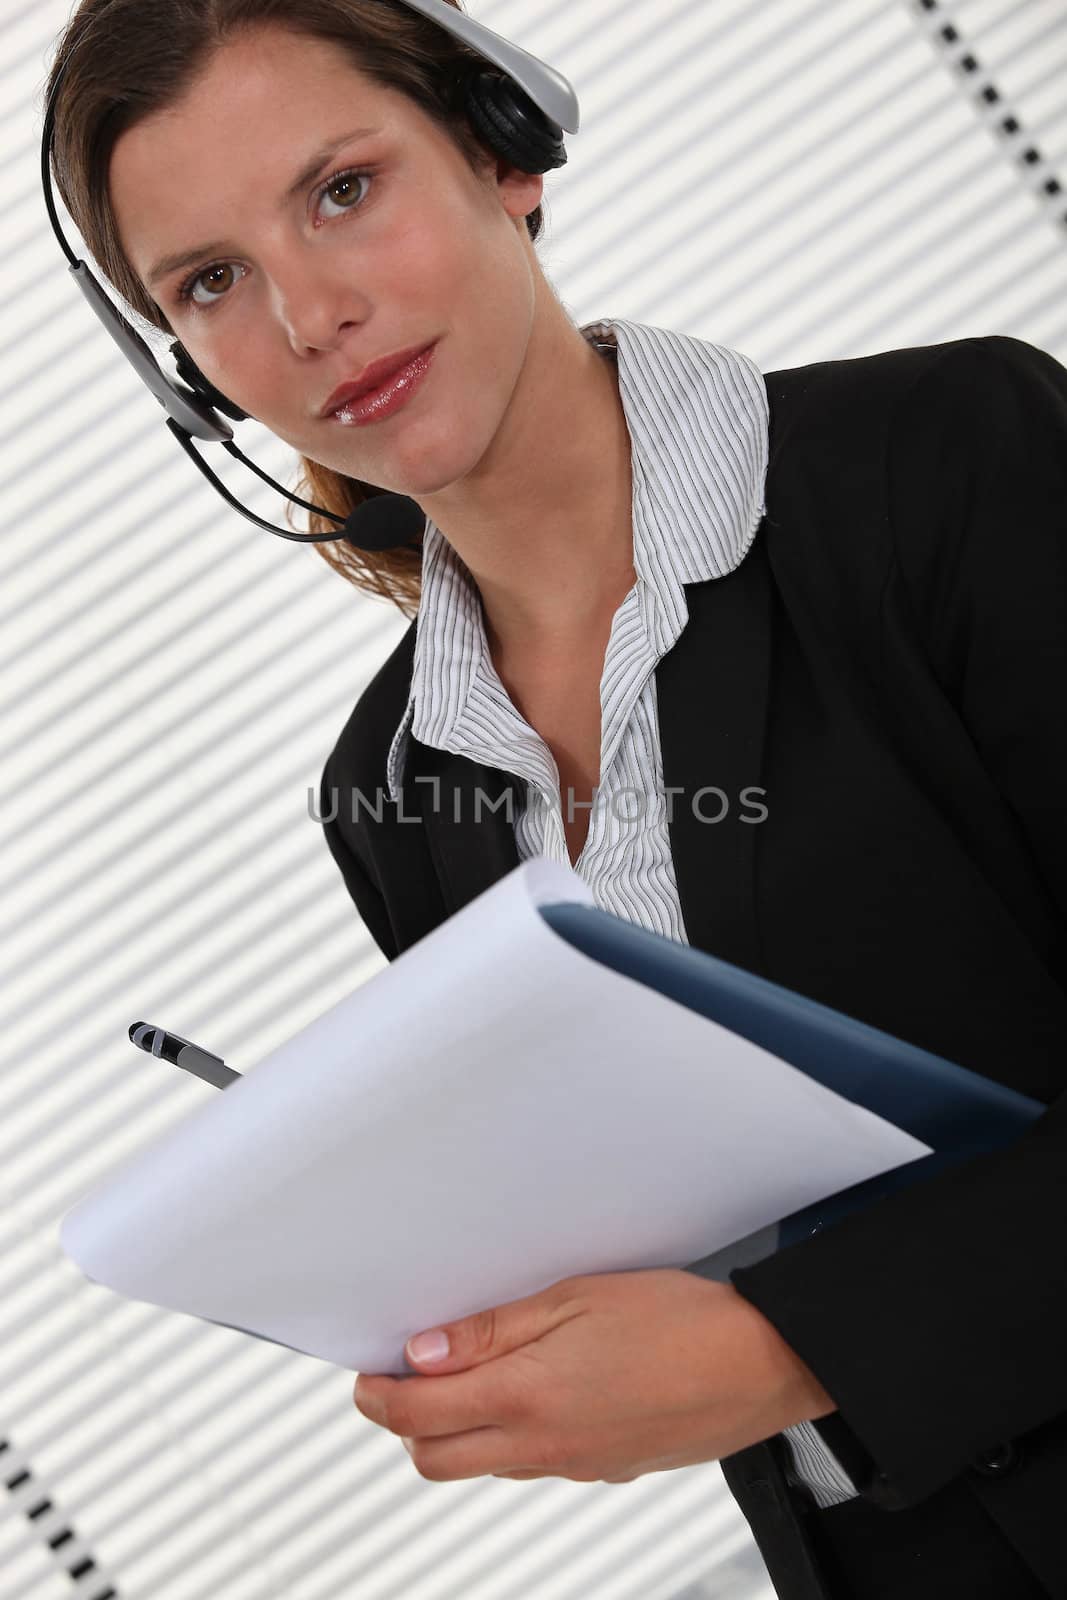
[368, 898]
[937, 1319]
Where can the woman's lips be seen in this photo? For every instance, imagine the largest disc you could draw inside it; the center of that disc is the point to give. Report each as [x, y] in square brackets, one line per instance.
[388, 398]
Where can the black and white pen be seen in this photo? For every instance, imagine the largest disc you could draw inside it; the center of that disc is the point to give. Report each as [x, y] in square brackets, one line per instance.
[183, 1053]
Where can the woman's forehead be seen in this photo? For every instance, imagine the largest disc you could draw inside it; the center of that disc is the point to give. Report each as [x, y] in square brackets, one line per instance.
[279, 68]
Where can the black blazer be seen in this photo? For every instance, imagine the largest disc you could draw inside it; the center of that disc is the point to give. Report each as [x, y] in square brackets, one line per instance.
[889, 663]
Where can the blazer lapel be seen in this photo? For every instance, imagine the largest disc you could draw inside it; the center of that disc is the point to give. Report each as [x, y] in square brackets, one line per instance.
[712, 689]
[468, 821]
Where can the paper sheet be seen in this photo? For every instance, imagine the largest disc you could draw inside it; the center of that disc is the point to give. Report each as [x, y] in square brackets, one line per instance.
[490, 1113]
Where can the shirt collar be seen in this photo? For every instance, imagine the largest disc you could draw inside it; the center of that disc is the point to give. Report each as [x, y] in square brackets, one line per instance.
[698, 418]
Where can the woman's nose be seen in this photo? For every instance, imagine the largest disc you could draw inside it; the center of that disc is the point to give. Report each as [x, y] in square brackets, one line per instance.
[316, 309]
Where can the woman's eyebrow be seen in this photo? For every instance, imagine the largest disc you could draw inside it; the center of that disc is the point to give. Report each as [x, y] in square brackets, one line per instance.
[186, 258]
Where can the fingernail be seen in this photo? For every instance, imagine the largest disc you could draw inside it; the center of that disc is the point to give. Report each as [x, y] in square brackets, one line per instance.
[429, 1346]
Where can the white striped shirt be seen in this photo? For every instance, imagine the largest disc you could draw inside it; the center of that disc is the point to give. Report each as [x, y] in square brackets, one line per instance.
[697, 415]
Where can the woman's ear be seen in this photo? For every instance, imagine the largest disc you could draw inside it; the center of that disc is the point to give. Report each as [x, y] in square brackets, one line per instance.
[520, 192]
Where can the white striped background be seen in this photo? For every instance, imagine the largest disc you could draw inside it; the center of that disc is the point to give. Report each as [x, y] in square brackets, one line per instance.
[798, 179]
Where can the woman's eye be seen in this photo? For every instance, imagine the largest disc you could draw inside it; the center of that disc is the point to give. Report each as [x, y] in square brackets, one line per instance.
[342, 190]
[346, 185]
[220, 276]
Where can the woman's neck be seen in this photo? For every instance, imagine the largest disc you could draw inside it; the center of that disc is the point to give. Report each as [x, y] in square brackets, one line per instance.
[546, 527]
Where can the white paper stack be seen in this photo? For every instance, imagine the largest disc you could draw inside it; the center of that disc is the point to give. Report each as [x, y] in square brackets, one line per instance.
[492, 1112]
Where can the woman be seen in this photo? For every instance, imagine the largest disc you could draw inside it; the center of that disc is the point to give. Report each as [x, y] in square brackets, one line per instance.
[824, 607]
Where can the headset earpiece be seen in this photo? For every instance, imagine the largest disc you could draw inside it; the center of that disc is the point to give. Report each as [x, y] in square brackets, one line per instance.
[508, 121]
[190, 373]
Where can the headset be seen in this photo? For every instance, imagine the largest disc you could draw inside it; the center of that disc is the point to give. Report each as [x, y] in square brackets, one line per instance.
[520, 110]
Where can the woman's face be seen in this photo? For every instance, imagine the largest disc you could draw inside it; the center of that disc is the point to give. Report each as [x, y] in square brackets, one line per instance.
[302, 287]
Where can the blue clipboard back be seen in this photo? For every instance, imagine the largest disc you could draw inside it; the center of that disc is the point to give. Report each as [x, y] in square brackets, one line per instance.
[957, 1112]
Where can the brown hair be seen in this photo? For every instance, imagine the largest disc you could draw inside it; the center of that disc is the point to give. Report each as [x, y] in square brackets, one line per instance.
[125, 59]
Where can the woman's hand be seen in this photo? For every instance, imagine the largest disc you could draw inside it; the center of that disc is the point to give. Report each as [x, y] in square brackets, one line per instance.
[598, 1378]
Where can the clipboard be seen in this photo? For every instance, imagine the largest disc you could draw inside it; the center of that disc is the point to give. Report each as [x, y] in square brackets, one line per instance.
[535, 1090]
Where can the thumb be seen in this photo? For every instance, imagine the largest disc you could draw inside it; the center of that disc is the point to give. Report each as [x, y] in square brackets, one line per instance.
[481, 1337]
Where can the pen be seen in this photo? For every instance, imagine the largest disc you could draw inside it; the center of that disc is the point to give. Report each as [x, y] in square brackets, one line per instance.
[183, 1053]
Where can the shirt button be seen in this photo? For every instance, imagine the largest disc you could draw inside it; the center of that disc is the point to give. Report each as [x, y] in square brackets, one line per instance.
[998, 1460]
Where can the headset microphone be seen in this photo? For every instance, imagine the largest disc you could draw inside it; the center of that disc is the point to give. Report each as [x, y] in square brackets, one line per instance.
[519, 110]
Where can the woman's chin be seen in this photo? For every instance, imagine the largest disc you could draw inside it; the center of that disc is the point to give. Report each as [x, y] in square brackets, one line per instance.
[423, 470]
